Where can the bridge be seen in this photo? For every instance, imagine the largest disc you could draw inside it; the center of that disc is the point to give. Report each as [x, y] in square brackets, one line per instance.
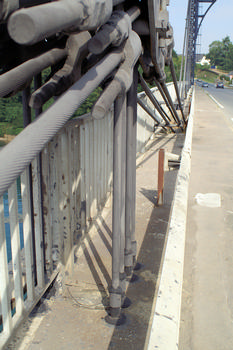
[91, 257]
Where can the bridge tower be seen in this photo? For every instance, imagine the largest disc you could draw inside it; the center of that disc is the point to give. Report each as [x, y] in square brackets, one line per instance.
[194, 20]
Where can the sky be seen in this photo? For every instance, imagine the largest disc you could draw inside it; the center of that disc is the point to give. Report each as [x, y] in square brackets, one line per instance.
[217, 24]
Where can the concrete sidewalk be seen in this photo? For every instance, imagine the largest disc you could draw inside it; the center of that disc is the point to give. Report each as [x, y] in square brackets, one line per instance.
[207, 300]
[75, 319]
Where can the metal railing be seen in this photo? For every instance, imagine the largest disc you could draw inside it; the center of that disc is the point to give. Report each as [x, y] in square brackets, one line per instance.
[59, 201]
[67, 168]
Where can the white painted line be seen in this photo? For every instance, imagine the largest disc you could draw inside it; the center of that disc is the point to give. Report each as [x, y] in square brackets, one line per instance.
[210, 200]
[214, 99]
[164, 332]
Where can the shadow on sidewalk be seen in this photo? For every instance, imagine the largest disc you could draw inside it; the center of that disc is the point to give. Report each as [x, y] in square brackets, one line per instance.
[132, 335]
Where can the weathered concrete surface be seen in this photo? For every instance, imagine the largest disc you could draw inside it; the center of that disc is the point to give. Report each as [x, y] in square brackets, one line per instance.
[75, 320]
[207, 308]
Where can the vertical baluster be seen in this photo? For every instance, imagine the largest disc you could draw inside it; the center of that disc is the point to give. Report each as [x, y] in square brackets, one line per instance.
[72, 180]
[83, 179]
[47, 209]
[91, 168]
[102, 160]
[36, 183]
[4, 277]
[87, 172]
[98, 163]
[77, 166]
[95, 150]
[27, 232]
[54, 198]
[65, 204]
[15, 248]
[105, 153]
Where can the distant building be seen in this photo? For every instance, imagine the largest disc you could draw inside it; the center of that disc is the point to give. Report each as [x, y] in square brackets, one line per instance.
[199, 56]
[230, 74]
[204, 61]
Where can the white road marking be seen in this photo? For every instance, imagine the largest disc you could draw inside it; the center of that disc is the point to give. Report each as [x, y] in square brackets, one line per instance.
[211, 200]
[219, 104]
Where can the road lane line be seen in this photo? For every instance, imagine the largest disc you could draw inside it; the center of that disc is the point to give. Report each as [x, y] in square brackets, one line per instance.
[219, 104]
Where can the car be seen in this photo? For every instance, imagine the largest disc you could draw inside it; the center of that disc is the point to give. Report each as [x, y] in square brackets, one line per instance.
[220, 85]
[205, 84]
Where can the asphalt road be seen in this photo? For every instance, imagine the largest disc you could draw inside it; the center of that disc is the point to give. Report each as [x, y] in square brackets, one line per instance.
[224, 97]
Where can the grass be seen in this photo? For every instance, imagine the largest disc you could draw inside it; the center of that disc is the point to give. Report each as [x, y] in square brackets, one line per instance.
[207, 75]
[2, 143]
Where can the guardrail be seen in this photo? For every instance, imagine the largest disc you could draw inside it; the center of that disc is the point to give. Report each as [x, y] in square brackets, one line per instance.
[45, 213]
[67, 169]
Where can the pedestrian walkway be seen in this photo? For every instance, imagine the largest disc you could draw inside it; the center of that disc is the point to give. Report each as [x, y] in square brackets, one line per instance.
[75, 319]
[207, 300]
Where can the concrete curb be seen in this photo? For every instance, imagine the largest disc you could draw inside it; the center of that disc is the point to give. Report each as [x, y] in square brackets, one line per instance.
[164, 332]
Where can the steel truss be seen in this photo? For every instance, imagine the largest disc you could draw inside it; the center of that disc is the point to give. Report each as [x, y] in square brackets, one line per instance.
[193, 23]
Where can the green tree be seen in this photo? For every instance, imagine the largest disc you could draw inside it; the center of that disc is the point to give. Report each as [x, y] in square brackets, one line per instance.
[221, 53]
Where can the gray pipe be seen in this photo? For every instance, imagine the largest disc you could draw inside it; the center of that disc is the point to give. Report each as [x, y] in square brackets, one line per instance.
[14, 79]
[9, 6]
[133, 164]
[173, 73]
[114, 31]
[148, 111]
[170, 102]
[164, 96]
[22, 150]
[122, 79]
[28, 26]
[68, 75]
[123, 199]
[154, 100]
[115, 291]
[117, 2]
[130, 172]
